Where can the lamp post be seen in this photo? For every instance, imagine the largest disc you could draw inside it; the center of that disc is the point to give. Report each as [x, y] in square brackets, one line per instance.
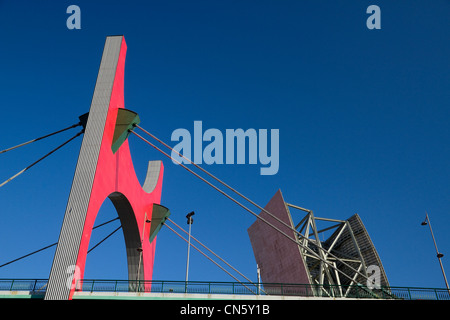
[439, 255]
[190, 220]
[258, 272]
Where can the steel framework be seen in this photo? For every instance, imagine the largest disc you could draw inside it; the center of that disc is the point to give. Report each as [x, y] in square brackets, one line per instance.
[319, 271]
[335, 256]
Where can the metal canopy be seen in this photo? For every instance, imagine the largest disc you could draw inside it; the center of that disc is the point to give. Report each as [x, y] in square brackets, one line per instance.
[125, 122]
[159, 216]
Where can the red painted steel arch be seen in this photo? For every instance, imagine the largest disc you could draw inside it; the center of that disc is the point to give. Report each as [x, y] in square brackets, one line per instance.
[115, 178]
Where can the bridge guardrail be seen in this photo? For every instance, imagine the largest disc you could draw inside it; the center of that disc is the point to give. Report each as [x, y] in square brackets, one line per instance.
[38, 286]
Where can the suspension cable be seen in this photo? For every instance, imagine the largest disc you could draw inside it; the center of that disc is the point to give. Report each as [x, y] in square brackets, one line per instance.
[237, 192]
[54, 244]
[37, 161]
[312, 252]
[104, 223]
[40, 138]
[209, 258]
[215, 178]
[109, 235]
[27, 255]
[212, 252]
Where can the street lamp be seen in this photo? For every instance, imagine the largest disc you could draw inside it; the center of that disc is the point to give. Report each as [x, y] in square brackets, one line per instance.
[439, 255]
[190, 220]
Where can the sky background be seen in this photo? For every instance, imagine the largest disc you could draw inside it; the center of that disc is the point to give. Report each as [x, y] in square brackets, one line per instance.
[363, 117]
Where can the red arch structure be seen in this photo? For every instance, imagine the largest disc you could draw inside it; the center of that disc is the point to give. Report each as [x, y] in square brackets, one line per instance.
[104, 172]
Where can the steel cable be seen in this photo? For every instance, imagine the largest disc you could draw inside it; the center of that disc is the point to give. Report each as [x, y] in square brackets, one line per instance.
[212, 252]
[206, 256]
[40, 138]
[313, 253]
[54, 244]
[40, 159]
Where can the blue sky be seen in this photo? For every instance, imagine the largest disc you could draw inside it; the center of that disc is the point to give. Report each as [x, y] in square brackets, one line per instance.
[363, 117]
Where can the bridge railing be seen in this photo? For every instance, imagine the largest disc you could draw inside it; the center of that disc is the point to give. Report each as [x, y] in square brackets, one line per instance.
[38, 286]
[31, 285]
[281, 289]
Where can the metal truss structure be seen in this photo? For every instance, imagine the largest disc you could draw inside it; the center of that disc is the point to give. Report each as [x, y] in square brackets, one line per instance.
[341, 259]
[321, 267]
[336, 257]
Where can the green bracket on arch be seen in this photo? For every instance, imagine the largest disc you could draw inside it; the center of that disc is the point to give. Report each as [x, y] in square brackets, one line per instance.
[125, 122]
[159, 216]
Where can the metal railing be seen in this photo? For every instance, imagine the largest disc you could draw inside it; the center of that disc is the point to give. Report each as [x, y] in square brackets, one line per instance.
[35, 286]
[38, 286]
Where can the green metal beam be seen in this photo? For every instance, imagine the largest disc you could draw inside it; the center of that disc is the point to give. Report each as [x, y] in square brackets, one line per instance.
[159, 216]
[125, 122]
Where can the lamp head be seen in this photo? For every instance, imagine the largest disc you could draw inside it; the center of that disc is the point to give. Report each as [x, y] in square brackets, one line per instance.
[188, 216]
